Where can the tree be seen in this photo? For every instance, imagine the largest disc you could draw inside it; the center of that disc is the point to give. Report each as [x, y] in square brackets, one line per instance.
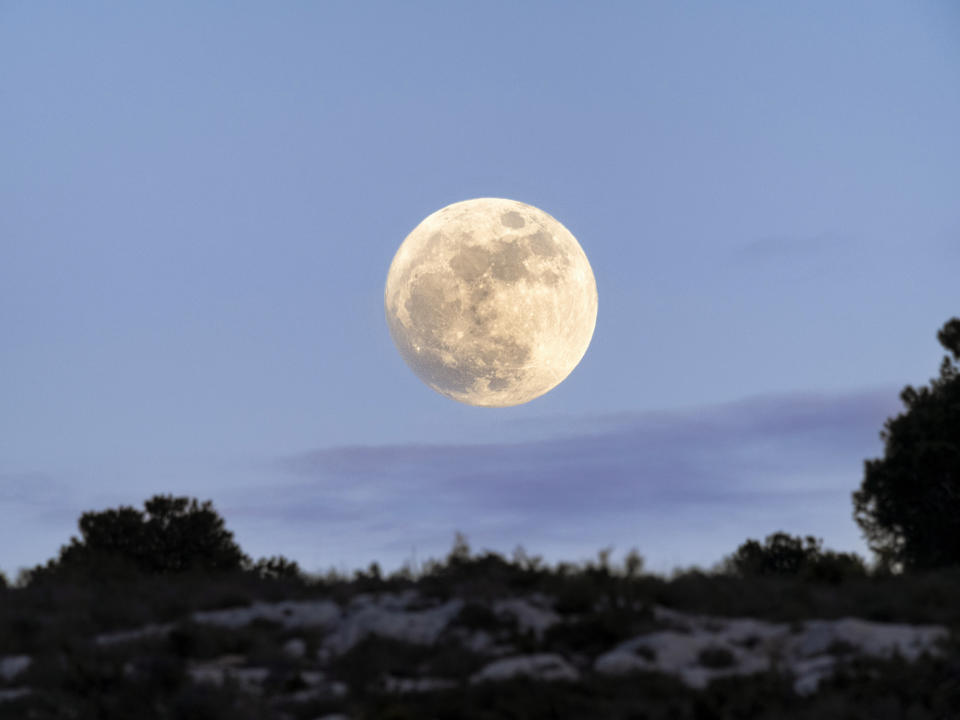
[908, 504]
[785, 555]
[171, 535]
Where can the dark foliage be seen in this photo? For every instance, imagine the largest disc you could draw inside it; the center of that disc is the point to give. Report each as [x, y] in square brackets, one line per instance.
[277, 567]
[785, 555]
[598, 631]
[716, 657]
[908, 504]
[171, 535]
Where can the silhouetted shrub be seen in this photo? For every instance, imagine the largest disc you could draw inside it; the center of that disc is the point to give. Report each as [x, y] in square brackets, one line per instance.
[579, 594]
[716, 657]
[475, 616]
[593, 634]
[599, 630]
[172, 535]
[785, 555]
[277, 567]
[833, 567]
[460, 552]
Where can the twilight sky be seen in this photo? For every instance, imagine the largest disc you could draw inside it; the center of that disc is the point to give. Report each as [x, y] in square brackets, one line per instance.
[199, 204]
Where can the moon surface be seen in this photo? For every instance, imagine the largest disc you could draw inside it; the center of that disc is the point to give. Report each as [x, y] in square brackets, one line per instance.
[491, 302]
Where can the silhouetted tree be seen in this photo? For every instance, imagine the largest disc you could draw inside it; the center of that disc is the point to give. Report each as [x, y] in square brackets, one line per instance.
[171, 535]
[460, 552]
[783, 554]
[908, 505]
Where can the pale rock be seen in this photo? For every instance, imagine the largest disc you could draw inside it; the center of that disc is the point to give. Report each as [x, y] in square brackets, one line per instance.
[531, 614]
[808, 672]
[421, 627]
[295, 648]
[318, 687]
[13, 665]
[123, 636]
[312, 678]
[677, 653]
[218, 671]
[289, 614]
[416, 685]
[543, 666]
[758, 646]
[870, 638]
[8, 694]
[306, 695]
[481, 642]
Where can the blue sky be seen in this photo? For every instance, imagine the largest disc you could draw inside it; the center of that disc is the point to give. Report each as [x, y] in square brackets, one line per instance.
[199, 204]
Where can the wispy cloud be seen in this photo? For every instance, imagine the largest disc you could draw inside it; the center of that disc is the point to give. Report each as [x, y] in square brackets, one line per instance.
[686, 486]
[758, 462]
[789, 246]
[30, 488]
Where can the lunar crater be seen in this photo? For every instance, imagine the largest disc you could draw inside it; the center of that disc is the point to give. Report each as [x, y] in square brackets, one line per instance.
[513, 219]
[542, 244]
[470, 263]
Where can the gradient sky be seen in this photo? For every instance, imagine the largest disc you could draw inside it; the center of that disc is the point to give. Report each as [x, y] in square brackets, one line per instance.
[199, 204]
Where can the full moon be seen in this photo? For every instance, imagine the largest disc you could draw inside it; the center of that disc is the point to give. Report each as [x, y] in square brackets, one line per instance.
[491, 302]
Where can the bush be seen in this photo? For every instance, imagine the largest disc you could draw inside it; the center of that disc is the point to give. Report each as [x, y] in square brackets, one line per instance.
[785, 555]
[716, 657]
[172, 535]
[474, 616]
[277, 567]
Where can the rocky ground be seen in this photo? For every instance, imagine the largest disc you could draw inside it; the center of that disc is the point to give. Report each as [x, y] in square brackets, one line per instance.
[307, 658]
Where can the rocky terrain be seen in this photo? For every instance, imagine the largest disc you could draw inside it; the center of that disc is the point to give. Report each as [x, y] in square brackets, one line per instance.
[307, 658]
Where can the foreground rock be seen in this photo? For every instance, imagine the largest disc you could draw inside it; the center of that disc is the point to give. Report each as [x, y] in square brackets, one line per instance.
[545, 666]
[312, 636]
[703, 647]
[386, 618]
[12, 665]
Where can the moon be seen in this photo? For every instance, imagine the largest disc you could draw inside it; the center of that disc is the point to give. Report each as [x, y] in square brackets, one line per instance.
[491, 302]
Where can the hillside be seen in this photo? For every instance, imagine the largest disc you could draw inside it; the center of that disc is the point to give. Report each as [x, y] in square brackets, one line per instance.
[482, 637]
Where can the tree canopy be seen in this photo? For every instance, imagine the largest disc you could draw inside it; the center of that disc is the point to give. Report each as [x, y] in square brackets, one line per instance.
[170, 535]
[782, 554]
[908, 504]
